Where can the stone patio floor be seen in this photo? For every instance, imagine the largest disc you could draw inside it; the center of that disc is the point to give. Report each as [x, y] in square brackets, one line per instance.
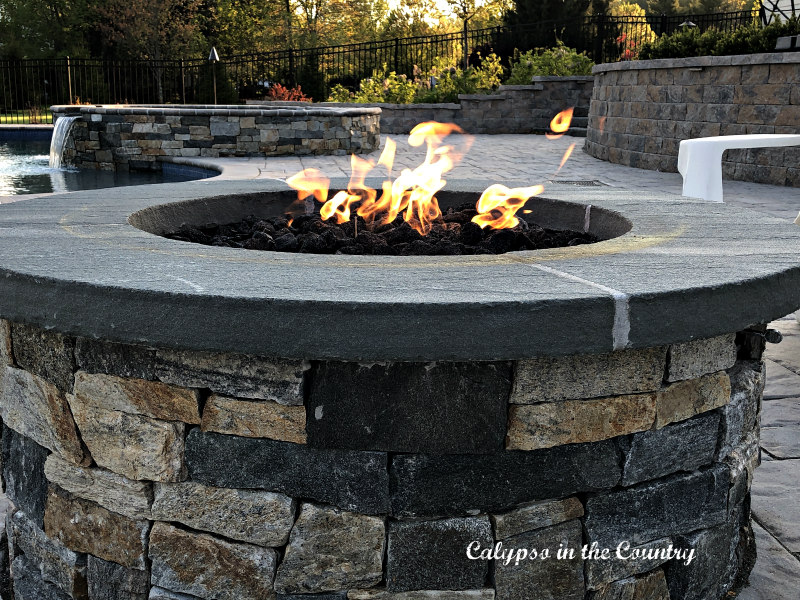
[535, 159]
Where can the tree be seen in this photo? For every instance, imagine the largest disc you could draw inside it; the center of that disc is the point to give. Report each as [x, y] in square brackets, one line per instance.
[44, 29]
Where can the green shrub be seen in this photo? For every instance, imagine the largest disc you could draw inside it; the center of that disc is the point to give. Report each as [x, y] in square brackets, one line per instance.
[452, 81]
[558, 61]
[749, 39]
[381, 87]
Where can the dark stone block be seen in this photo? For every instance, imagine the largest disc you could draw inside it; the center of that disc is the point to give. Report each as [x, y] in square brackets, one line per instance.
[110, 581]
[23, 472]
[109, 140]
[198, 143]
[658, 509]
[224, 139]
[451, 485]
[186, 121]
[684, 446]
[551, 578]
[751, 343]
[330, 596]
[452, 408]
[712, 571]
[123, 360]
[47, 354]
[432, 555]
[29, 585]
[354, 481]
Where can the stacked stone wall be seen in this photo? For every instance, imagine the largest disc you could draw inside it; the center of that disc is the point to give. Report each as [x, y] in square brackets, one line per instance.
[512, 109]
[149, 473]
[138, 138]
[641, 110]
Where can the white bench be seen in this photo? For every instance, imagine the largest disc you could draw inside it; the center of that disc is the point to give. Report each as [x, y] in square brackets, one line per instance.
[700, 160]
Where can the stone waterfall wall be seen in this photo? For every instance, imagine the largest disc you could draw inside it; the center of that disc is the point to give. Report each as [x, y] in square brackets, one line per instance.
[141, 473]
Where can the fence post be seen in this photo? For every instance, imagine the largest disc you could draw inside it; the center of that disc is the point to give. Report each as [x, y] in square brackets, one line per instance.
[292, 79]
[183, 82]
[664, 25]
[600, 38]
[397, 55]
[69, 80]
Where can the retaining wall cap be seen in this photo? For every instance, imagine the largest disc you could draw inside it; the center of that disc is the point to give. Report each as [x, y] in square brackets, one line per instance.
[687, 269]
[699, 61]
[243, 110]
[564, 78]
[482, 96]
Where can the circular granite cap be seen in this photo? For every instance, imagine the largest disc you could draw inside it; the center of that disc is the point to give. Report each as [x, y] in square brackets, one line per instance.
[685, 270]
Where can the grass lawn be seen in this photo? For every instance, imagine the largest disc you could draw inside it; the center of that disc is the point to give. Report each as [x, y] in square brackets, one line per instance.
[23, 117]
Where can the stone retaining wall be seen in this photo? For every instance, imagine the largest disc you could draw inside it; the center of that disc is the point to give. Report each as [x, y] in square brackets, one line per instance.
[135, 137]
[141, 472]
[641, 110]
[512, 109]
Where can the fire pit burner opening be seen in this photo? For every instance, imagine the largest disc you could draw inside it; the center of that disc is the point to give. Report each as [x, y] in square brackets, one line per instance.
[262, 222]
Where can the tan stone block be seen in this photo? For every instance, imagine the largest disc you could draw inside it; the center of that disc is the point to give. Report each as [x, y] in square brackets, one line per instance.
[652, 586]
[138, 396]
[208, 567]
[536, 515]
[551, 424]
[135, 446]
[547, 379]
[247, 122]
[685, 399]
[144, 144]
[252, 418]
[114, 492]
[6, 357]
[37, 409]
[84, 526]
[199, 130]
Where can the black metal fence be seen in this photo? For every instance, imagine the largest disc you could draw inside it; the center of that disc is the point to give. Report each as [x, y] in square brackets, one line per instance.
[29, 87]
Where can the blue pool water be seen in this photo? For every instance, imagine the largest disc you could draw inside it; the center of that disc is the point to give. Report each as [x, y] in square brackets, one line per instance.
[24, 170]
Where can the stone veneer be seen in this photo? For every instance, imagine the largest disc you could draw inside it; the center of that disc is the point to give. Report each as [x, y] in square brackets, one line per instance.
[138, 137]
[140, 472]
[641, 110]
[511, 109]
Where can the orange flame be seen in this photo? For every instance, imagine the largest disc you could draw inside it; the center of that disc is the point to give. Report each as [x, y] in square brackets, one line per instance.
[498, 205]
[560, 124]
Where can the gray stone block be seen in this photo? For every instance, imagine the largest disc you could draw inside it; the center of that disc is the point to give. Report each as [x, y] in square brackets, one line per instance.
[157, 593]
[535, 515]
[382, 594]
[452, 485]
[234, 374]
[700, 357]
[47, 354]
[110, 581]
[331, 550]
[255, 516]
[350, 480]
[658, 509]
[330, 596]
[740, 415]
[29, 585]
[205, 566]
[124, 360]
[549, 579]
[438, 408]
[652, 586]
[23, 473]
[56, 563]
[424, 555]
[683, 446]
[599, 573]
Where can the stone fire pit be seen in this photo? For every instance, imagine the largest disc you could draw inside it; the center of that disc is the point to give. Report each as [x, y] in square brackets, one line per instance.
[184, 421]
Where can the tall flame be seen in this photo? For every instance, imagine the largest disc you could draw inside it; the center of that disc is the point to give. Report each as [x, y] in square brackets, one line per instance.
[413, 193]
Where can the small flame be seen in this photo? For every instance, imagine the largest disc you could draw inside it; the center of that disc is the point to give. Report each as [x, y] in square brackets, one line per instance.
[560, 124]
[498, 205]
[601, 123]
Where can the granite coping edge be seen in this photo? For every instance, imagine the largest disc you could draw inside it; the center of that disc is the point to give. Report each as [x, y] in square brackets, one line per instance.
[166, 293]
[699, 61]
[243, 111]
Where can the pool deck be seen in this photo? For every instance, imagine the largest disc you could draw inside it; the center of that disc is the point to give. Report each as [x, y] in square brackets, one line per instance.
[776, 495]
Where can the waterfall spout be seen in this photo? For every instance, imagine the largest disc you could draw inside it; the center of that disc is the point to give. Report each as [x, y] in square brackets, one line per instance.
[60, 133]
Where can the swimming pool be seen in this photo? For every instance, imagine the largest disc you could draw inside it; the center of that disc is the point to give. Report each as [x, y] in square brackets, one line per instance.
[24, 170]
